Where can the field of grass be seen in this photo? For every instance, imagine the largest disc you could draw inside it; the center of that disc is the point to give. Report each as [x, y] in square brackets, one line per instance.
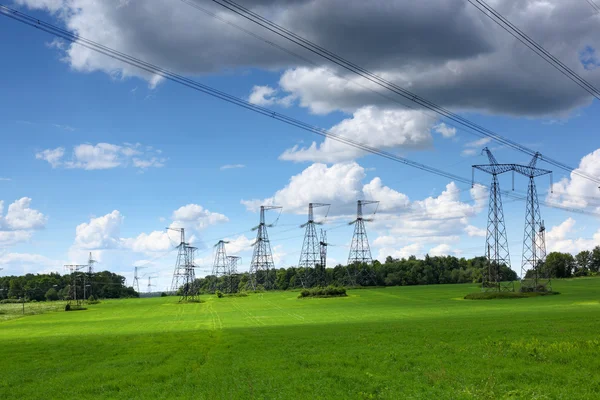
[420, 342]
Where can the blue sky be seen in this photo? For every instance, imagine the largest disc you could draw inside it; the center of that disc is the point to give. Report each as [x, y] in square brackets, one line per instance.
[99, 146]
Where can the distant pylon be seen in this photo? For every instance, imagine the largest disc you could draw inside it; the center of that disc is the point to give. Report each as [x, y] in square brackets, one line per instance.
[262, 257]
[136, 278]
[496, 246]
[150, 285]
[91, 263]
[184, 273]
[310, 256]
[320, 269]
[360, 252]
[534, 277]
[232, 263]
[220, 267]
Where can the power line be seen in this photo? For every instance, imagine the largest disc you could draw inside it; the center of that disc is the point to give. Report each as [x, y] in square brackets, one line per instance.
[522, 37]
[595, 6]
[153, 69]
[354, 68]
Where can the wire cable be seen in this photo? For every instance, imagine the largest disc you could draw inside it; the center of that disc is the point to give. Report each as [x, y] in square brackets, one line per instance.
[354, 68]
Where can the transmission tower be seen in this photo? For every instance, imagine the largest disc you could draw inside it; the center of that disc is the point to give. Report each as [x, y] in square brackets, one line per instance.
[91, 262]
[534, 277]
[310, 256]
[232, 263]
[358, 269]
[220, 267]
[496, 245]
[320, 269]
[184, 274]
[150, 285]
[73, 269]
[136, 278]
[262, 257]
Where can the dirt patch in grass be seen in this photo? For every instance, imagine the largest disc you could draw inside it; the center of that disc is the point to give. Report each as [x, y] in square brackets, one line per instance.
[506, 295]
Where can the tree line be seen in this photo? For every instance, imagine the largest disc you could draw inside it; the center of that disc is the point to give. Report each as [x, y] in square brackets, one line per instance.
[53, 286]
[398, 272]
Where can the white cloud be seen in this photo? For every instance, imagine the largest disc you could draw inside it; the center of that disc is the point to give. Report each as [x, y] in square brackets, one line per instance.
[442, 250]
[445, 130]
[156, 241]
[10, 238]
[267, 96]
[414, 249]
[474, 231]
[20, 222]
[390, 200]
[379, 128]
[238, 244]
[232, 166]
[22, 263]
[474, 147]
[21, 216]
[339, 184]
[473, 65]
[196, 216]
[53, 156]
[104, 156]
[577, 191]
[558, 239]
[5, 179]
[100, 233]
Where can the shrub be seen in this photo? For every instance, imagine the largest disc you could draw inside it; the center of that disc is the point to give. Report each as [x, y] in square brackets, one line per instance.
[329, 291]
[163, 294]
[219, 293]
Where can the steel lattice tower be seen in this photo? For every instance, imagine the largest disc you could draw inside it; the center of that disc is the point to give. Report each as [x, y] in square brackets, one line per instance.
[136, 278]
[310, 256]
[220, 267]
[184, 274]
[360, 252]
[496, 244]
[262, 257]
[232, 263]
[533, 278]
[320, 269]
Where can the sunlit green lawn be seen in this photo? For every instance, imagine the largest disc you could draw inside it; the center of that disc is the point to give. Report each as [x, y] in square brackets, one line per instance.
[393, 343]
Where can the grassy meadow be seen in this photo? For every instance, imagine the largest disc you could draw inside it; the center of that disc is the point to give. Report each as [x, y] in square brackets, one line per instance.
[416, 342]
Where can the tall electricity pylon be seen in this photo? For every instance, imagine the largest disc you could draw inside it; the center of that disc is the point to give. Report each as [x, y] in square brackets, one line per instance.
[534, 277]
[310, 256]
[232, 263]
[262, 257]
[91, 263]
[150, 285]
[184, 274]
[136, 278]
[496, 245]
[73, 269]
[220, 267]
[320, 269]
[358, 270]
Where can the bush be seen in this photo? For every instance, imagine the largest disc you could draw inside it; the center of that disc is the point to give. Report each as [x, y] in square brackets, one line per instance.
[329, 291]
[51, 295]
[219, 293]
[163, 294]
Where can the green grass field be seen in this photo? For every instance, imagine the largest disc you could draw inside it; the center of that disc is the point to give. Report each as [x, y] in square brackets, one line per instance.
[394, 343]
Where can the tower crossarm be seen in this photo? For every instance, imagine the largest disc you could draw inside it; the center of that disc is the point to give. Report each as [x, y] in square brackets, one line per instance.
[495, 169]
[529, 171]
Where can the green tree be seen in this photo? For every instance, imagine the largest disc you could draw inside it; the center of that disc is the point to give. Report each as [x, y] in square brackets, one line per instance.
[595, 261]
[51, 294]
[559, 265]
[583, 260]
